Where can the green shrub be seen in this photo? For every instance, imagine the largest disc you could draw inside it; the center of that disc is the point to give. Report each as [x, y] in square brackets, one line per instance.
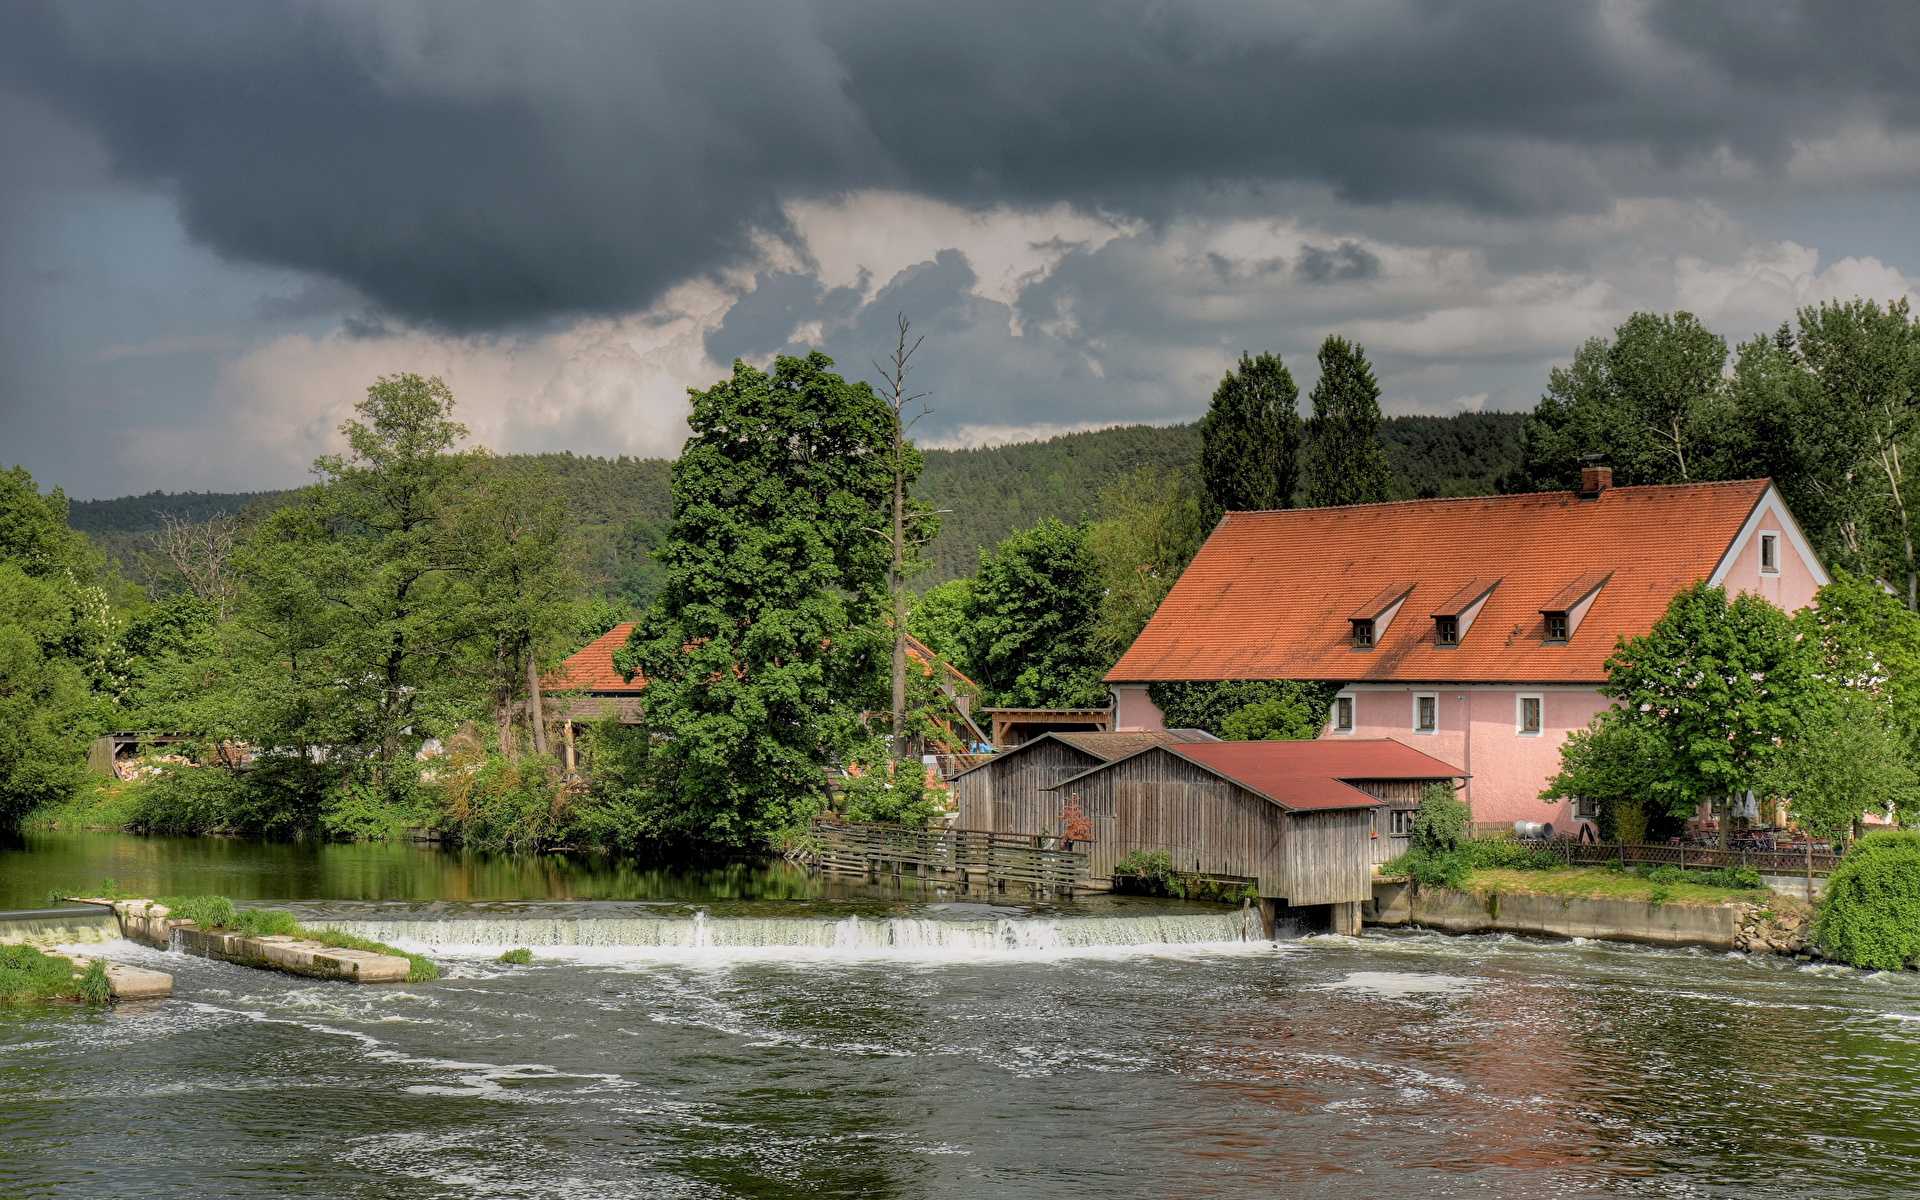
[1146, 864]
[518, 958]
[208, 912]
[897, 797]
[1870, 913]
[1668, 874]
[94, 988]
[266, 922]
[1439, 852]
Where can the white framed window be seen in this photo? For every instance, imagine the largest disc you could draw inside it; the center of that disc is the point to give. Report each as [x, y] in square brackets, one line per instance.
[1400, 822]
[1526, 715]
[1343, 714]
[1770, 553]
[1585, 808]
[1426, 712]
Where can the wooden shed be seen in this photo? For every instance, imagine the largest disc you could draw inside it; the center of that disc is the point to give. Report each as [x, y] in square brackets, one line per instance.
[1008, 792]
[1297, 818]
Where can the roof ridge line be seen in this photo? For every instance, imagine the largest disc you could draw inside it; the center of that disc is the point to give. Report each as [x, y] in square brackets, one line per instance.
[1625, 487]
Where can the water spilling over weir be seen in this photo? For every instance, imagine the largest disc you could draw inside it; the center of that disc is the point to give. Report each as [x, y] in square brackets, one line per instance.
[851, 937]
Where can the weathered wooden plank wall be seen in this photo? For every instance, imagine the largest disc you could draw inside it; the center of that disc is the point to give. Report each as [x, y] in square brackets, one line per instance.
[1402, 794]
[1008, 794]
[1159, 801]
[1327, 856]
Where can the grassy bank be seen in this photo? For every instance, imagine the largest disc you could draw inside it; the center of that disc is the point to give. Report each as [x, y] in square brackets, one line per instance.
[1601, 883]
[105, 806]
[27, 974]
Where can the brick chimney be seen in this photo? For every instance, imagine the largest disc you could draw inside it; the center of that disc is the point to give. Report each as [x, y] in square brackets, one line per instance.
[1593, 481]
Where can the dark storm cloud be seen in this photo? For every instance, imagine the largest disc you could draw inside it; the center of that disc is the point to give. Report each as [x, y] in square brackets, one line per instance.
[485, 164]
[1343, 263]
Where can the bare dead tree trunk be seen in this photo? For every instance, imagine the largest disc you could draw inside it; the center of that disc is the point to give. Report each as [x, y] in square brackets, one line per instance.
[894, 374]
[536, 712]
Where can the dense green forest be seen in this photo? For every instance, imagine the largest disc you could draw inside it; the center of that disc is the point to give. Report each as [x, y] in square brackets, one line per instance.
[622, 506]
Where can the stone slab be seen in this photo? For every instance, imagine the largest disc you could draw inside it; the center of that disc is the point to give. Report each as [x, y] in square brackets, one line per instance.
[129, 983]
[144, 921]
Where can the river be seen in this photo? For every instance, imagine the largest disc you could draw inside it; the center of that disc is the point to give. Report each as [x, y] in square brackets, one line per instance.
[753, 1032]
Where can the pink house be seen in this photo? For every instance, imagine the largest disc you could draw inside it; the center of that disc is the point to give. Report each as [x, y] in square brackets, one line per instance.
[1476, 630]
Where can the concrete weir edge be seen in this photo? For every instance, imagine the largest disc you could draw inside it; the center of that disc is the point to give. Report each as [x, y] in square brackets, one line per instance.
[1717, 927]
[146, 922]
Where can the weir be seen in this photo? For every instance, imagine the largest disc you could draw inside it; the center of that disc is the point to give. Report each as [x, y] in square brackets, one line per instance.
[59, 926]
[838, 937]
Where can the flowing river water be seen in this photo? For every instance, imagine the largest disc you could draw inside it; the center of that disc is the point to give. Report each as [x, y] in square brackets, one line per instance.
[754, 1032]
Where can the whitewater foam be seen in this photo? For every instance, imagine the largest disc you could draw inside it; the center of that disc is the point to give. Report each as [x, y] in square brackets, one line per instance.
[699, 936]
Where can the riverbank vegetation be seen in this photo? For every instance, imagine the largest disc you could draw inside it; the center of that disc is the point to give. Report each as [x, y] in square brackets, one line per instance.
[1870, 914]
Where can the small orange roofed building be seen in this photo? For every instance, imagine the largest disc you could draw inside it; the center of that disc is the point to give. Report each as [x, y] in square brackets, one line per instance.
[1475, 630]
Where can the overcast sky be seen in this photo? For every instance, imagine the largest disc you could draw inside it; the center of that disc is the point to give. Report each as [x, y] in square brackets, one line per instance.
[220, 221]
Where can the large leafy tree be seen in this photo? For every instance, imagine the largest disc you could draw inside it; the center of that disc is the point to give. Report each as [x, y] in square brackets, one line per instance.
[1151, 524]
[356, 613]
[59, 670]
[1717, 685]
[1863, 366]
[760, 651]
[512, 552]
[1345, 463]
[1031, 614]
[1651, 401]
[1250, 439]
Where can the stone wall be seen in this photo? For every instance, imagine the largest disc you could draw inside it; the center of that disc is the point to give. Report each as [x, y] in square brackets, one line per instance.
[1779, 926]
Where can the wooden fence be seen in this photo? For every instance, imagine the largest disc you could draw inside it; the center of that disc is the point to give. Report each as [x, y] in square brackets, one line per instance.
[1631, 854]
[874, 849]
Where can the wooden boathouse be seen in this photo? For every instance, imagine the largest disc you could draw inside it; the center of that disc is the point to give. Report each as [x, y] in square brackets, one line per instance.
[1303, 822]
[1009, 793]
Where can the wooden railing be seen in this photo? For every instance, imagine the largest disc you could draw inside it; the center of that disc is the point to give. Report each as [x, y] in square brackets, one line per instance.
[874, 849]
[1631, 854]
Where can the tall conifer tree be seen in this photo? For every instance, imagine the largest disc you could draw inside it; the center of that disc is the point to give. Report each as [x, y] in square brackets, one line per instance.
[1250, 439]
[1345, 463]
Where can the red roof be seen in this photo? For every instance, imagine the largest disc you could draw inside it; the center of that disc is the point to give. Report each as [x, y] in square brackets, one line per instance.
[590, 669]
[1307, 774]
[1272, 595]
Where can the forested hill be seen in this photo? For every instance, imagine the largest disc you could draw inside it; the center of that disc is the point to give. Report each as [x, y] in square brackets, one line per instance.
[623, 504]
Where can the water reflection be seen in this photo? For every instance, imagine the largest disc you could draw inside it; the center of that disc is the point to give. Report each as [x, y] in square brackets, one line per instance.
[245, 869]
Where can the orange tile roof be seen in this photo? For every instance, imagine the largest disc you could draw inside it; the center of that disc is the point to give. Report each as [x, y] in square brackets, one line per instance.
[1305, 774]
[590, 669]
[1270, 593]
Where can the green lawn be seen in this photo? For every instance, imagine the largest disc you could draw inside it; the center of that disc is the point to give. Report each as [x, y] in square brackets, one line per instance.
[1601, 883]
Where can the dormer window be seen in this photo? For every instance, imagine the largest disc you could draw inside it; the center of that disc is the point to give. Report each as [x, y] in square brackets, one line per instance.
[1370, 620]
[1453, 619]
[1564, 612]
